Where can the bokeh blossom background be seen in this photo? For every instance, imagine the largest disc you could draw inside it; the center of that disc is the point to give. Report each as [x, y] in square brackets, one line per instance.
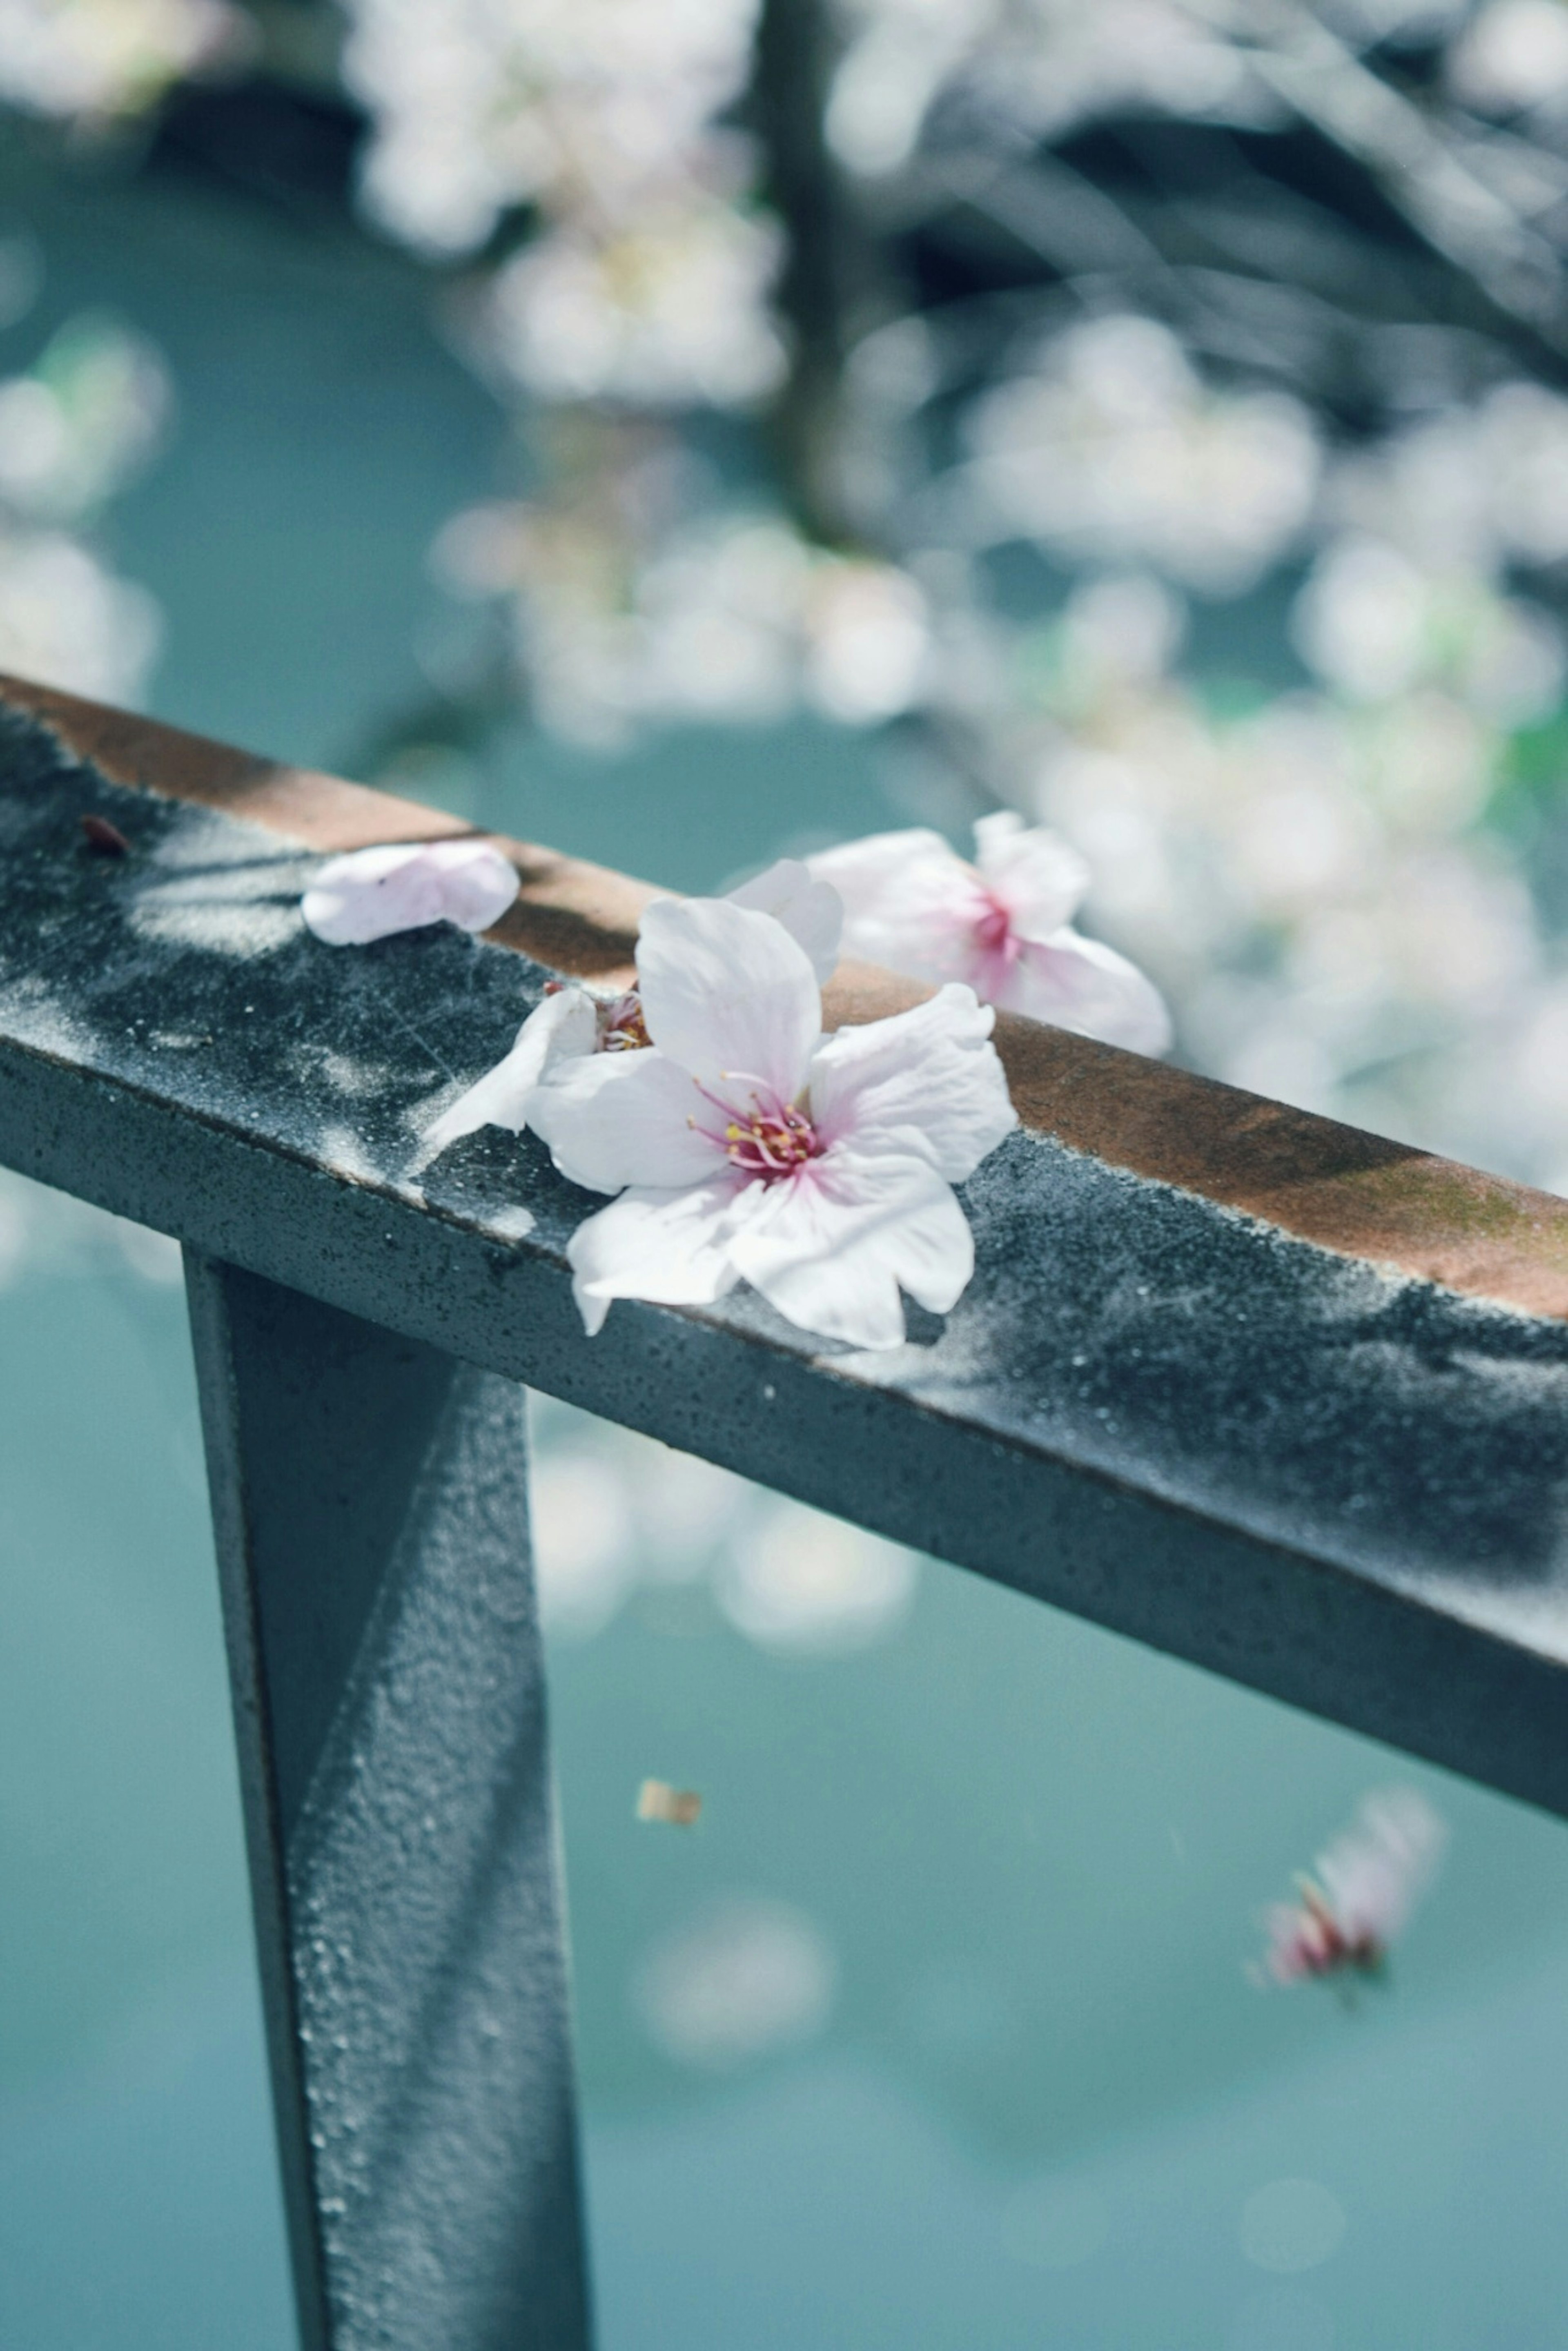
[1149, 417]
[694, 432]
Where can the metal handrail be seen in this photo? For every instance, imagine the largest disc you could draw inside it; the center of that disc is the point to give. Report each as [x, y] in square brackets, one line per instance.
[1277, 1396]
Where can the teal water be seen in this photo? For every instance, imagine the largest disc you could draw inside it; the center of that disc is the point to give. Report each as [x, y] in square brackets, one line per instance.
[934, 2031]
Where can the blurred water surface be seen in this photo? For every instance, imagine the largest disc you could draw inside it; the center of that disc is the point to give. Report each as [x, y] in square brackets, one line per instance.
[934, 2031]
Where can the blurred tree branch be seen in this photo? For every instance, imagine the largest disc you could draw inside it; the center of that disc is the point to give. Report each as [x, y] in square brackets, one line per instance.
[830, 288]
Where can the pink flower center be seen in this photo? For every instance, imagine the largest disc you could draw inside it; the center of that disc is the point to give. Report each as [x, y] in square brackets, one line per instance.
[772, 1144]
[622, 1027]
[994, 929]
[773, 1141]
[1318, 1945]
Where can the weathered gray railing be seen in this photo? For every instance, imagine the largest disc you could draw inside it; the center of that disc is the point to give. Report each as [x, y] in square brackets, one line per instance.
[1276, 1396]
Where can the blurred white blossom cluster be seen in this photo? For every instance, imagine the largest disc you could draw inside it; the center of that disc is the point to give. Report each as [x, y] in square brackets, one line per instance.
[75, 429]
[641, 292]
[93, 60]
[1132, 574]
[646, 280]
[78, 424]
[627, 615]
[1309, 881]
[1110, 448]
[1309, 871]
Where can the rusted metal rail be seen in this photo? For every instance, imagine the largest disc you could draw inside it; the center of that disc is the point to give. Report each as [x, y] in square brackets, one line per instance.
[1278, 1397]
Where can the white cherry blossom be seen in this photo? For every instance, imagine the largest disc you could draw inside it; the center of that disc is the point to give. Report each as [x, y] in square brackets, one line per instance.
[1347, 1918]
[1001, 926]
[567, 1022]
[670, 311]
[91, 59]
[572, 1020]
[809, 908]
[747, 1146]
[401, 885]
[1112, 449]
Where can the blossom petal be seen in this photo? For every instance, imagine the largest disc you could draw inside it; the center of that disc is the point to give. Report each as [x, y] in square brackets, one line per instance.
[664, 1246]
[1035, 874]
[401, 885]
[614, 1119]
[1082, 984]
[1375, 1873]
[810, 910]
[910, 902]
[562, 1026]
[832, 1247]
[926, 1083]
[726, 990]
[478, 882]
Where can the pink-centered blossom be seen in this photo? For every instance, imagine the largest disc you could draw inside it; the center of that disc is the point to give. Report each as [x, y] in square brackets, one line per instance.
[745, 1146]
[574, 1020]
[1001, 925]
[1347, 1917]
[401, 885]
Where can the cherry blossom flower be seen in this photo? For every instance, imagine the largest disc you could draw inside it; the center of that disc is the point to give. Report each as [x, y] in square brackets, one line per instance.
[568, 1022]
[1001, 926]
[1345, 1920]
[572, 1020]
[624, 618]
[580, 107]
[401, 885]
[746, 1145]
[670, 310]
[1112, 449]
[74, 428]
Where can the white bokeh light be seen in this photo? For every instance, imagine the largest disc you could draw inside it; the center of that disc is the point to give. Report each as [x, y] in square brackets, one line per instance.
[584, 1539]
[1112, 449]
[1290, 2226]
[97, 58]
[801, 1584]
[749, 1977]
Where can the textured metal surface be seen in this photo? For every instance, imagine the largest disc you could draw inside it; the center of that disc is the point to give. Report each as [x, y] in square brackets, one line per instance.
[1354, 1193]
[1308, 1470]
[369, 1501]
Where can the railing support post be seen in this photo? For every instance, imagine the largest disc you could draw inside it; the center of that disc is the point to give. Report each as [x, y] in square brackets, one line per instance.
[370, 1507]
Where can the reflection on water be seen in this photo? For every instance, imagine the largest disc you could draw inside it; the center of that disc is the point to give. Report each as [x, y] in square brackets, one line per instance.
[947, 1992]
[137, 2185]
[744, 1979]
[1290, 2225]
[934, 2028]
[1399, 2189]
[138, 2192]
[1052, 2227]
